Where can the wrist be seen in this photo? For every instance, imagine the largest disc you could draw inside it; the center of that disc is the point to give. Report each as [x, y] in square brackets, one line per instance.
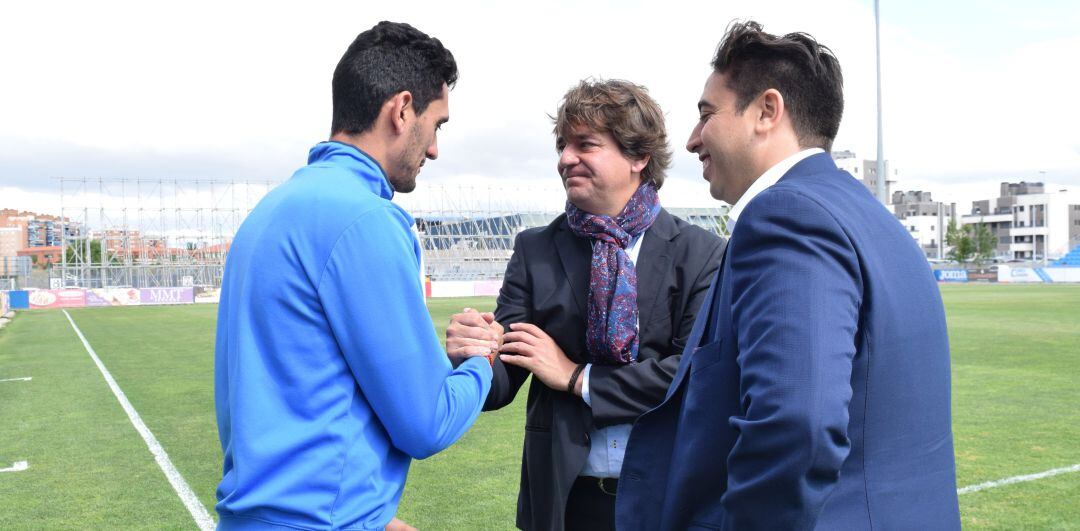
[573, 386]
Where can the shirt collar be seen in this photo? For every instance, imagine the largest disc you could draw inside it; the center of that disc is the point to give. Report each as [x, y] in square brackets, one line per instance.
[355, 160]
[767, 179]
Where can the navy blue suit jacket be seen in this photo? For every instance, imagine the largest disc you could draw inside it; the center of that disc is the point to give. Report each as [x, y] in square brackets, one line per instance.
[814, 389]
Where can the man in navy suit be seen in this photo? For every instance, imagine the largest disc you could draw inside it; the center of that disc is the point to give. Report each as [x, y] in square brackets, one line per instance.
[814, 389]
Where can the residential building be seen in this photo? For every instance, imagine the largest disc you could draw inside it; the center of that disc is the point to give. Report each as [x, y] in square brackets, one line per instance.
[38, 230]
[864, 170]
[925, 219]
[1028, 222]
[10, 244]
[121, 242]
[43, 256]
[1074, 226]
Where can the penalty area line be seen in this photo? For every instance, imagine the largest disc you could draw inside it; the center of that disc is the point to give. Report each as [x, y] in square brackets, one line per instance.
[18, 466]
[1019, 479]
[27, 379]
[194, 506]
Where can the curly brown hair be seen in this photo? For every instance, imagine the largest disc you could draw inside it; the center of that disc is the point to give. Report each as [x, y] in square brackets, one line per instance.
[623, 109]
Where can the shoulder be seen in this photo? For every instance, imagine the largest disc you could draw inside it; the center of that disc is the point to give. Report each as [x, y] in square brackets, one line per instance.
[785, 203]
[331, 190]
[790, 216]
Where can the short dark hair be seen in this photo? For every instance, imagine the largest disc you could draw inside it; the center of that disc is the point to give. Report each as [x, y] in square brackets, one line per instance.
[627, 112]
[805, 72]
[387, 59]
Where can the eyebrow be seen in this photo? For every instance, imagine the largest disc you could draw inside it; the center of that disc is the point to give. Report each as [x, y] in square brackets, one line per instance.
[702, 104]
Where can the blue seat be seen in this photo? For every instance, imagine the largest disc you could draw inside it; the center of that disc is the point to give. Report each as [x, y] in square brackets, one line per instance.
[1071, 259]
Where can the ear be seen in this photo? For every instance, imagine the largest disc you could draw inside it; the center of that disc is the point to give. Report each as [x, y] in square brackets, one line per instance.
[771, 110]
[638, 165]
[399, 110]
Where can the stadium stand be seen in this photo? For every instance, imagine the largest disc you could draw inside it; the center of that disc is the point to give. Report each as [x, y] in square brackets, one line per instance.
[1071, 259]
[478, 245]
[467, 232]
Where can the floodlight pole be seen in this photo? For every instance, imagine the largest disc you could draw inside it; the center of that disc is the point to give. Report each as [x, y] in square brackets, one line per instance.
[881, 177]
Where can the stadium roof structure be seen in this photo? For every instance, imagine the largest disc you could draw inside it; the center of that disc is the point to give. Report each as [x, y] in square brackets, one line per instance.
[467, 233]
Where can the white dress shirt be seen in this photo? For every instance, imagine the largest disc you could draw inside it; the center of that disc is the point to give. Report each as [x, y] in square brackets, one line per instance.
[766, 180]
[607, 445]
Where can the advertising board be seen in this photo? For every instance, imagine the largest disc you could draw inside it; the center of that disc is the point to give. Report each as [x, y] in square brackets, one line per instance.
[951, 275]
[166, 295]
[57, 298]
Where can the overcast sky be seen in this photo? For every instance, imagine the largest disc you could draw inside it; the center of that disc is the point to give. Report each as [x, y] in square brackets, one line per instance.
[975, 92]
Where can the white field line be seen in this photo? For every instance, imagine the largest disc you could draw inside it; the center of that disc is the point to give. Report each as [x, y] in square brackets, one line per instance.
[18, 466]
[194, 506]
[27, 379]
[1019, 479]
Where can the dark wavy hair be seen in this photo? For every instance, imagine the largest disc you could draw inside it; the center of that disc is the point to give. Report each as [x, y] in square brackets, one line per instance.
[805, 72]
[387, 59]
[626, 111]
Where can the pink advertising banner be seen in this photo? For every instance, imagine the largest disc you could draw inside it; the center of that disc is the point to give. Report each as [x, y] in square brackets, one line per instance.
[57, 298]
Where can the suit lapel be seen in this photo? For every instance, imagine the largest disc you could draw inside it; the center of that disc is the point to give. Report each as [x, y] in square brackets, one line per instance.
[705, 325]
[710, 331]
[654, 258]
[575, 254]
[697, 334]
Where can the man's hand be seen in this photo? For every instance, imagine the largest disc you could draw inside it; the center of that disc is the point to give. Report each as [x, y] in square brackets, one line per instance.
[398, 525]
[539, 354]
[472, 333]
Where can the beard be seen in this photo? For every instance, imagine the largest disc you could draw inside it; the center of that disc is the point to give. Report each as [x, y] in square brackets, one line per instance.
[407, 166]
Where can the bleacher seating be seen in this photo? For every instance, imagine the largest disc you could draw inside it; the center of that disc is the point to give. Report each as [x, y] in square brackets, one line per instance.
[1072, 259]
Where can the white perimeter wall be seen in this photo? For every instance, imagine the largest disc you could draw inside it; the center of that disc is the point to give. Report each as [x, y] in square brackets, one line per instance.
[1017, 275]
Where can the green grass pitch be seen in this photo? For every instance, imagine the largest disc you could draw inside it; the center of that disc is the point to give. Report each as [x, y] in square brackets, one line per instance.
[1016, 409]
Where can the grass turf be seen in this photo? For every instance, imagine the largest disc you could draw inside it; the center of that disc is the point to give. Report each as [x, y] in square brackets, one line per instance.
[1016, 411]
[1016, 405]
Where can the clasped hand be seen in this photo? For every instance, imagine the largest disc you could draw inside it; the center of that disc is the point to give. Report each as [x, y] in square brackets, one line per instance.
[525, 346]
[472, 333]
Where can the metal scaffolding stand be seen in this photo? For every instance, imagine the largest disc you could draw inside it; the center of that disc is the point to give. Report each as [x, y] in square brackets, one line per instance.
[145, 233]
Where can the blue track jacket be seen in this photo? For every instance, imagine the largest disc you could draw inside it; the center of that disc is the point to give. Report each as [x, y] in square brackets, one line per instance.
[328, 375]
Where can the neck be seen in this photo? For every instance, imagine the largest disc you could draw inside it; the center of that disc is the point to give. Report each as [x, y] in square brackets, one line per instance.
[612, 209]
[776, 156]
[768, 158]
[367, 142]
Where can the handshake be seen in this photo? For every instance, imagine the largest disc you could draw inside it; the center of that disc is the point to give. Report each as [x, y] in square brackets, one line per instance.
[472, 333]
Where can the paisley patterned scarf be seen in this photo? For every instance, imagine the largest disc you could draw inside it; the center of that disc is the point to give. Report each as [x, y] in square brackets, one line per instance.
[611, 334]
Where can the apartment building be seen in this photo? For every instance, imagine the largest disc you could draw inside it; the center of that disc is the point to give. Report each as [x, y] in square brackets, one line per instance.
[1029, 222]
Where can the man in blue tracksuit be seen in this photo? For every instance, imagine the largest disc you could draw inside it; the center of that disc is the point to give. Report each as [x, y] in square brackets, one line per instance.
[329, 377]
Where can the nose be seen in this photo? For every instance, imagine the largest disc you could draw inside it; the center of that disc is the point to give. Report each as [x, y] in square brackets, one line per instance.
[694, 142]
[433, 149]
[567, 158]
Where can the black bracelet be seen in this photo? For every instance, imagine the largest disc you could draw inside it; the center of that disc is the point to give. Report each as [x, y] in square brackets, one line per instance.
[574, 377]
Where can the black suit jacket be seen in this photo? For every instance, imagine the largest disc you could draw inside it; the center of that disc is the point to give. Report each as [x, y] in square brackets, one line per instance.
[547, 284]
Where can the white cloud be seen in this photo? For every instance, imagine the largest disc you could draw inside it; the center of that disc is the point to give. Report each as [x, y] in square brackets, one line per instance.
[242, 89]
